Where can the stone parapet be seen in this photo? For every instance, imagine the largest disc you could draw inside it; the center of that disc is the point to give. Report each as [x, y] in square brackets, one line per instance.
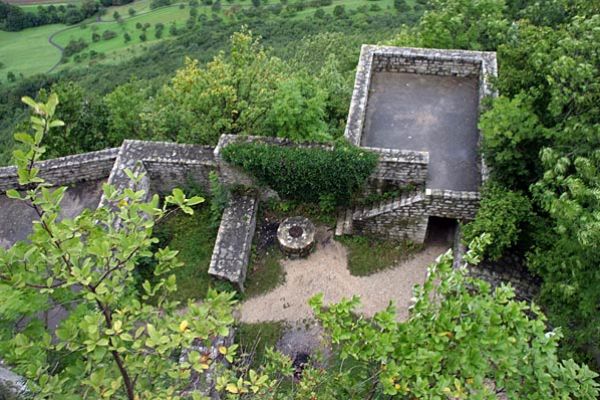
[66, 170]
[401, 167]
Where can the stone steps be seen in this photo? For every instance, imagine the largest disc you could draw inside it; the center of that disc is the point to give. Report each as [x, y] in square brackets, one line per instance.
[388, 205]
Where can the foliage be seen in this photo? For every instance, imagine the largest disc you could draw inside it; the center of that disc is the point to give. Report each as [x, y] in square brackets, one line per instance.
[84, 119]
[113, 343]
[511, 135]
[567, 250]
[250, 92]
[74, 46]
[305, 174]
[124, 106]
[464, 24]
[461, 341]
[369, 255]
[550, 75]
[502, 214]
[14, 18]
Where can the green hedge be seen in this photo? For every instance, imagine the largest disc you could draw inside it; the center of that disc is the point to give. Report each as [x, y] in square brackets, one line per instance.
[305, 174]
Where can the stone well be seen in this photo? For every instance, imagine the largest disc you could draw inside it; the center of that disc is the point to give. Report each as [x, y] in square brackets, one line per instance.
[296, 236]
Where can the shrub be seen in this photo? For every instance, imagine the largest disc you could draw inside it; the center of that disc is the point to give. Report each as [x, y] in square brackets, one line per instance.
[305, 174]
[108, 34]
[501, 214]
[74, 46]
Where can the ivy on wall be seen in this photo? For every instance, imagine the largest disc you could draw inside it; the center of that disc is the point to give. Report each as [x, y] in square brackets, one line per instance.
[305, 174]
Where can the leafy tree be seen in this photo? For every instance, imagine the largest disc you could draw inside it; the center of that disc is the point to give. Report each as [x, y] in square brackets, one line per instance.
[464, 24]
[116, 16]
[461, 341]
[131, 11]
[127, 37]
[501, 214]
[512, 138]
[143, 37]
[113, 343]
[84, 117]
[401, 6]
[567, 250]
[298, 110]
[339, 11]
[108, 34]
[242, 94]
[125, 105]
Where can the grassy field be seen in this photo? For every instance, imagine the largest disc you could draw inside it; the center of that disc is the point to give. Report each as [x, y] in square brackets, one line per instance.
[166, 16]
[28, 51]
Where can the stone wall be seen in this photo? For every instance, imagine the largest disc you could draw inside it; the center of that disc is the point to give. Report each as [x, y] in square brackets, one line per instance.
[429, 62]
[401, 167]
[407, 216]
[165, 166]
[234, 240]
[374, 59]
[66, 170]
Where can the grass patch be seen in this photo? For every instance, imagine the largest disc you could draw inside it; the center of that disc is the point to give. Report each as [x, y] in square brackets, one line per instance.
[254, 339]
[367, 255]
[281, 210]
[265, 272]
[194, 238]
[28, 52]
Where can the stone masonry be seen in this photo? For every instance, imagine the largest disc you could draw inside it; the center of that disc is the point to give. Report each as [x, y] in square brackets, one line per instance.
[407, 216]
[234, 240]
[66, 170]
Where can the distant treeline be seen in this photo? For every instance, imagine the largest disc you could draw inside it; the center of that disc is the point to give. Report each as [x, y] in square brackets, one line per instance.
[14, 18]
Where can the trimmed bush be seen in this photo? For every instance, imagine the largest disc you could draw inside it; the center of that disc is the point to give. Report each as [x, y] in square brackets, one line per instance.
[305, 174]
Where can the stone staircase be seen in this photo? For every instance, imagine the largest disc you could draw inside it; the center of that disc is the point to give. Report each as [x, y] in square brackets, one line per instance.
[344, 225]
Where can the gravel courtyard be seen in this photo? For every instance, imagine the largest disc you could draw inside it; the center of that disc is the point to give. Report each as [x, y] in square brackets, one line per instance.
[325, 271]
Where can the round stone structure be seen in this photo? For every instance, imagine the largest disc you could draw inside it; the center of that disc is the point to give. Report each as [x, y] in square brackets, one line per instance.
[296, 236]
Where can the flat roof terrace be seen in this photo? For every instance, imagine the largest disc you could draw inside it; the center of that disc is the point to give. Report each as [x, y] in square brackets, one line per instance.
[424, 100]
[436, 114]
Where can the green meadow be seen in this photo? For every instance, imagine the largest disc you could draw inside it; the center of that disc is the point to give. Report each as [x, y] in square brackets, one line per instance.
[28, 51]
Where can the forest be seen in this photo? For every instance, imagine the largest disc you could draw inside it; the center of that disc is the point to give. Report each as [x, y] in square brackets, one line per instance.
[264, 73]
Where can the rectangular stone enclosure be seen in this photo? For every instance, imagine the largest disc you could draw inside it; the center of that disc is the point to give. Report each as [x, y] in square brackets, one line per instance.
[424, 100]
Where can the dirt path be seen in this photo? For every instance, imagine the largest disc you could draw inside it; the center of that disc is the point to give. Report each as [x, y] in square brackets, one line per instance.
[325, 271]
